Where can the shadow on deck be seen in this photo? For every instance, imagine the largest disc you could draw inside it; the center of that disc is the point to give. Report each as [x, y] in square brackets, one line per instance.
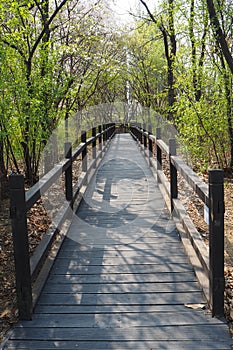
[121, 279]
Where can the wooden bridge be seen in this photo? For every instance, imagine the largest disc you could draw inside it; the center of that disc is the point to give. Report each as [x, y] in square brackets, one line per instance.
[118, 277]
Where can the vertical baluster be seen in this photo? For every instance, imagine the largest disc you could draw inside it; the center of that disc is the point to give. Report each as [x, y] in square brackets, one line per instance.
[84, 152]
[21, 246]
[173, 173]
[68, 173]
[216, 243]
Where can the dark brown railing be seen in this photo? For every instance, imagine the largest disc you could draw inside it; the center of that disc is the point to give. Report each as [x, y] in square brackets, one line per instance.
[35, 268]
[31, 272]
[208, 263]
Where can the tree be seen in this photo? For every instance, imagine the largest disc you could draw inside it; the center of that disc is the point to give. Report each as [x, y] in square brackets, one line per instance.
[55, 55]
[222, 32]
[91, 62]
[202, 105]
[219, 34]
[170, 47]
[198, 43]
[26, 32]
[147, 67]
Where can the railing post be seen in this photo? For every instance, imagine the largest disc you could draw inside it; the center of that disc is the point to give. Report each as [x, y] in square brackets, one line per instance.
[216, 241]
[68, 173]
[110, 125]
[94, 143]
[150, 141]
[144, 136]
[158, 150]
[21, 246]
[104, 135]
[140, 134]
[84, 152]
[100, 138]
[136, 131]
[113, 129]
[107, 132]
[173, 173]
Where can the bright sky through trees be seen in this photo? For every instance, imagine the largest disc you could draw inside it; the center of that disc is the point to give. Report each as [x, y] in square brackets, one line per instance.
[124, 8]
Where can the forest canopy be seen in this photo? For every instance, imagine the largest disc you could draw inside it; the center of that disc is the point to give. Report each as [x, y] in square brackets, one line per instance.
[59, 57]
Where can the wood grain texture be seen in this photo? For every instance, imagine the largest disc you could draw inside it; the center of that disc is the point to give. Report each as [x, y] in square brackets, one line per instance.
[121, 280]
[118, 345]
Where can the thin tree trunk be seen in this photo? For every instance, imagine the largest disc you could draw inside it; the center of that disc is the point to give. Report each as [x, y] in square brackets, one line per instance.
[228, 94]
[169, 40]
[220, 38]
[3, 173]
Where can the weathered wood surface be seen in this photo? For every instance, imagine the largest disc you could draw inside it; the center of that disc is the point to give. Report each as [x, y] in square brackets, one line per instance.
[121, 280]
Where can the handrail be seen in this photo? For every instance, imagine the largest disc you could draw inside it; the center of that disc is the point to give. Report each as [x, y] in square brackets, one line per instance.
[21, 201]
[196, 183]
[212, 195]
[36, 191]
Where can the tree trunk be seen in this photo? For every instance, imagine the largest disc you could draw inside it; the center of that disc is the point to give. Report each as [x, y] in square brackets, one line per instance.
[169, 40]
[220, 38]
[228, 95]
[171, 60]
[3, 174]
[225, 52]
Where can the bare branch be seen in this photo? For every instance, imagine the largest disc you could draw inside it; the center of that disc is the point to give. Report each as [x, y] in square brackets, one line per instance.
[56, 11]
[152, 17]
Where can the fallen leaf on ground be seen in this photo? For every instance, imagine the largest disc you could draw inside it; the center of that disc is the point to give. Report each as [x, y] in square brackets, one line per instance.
[195, 306]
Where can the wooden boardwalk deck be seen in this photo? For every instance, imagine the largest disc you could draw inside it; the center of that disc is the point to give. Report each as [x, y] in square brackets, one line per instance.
[121, 279]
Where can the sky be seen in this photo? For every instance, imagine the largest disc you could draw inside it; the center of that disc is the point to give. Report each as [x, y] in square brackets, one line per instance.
[123, 7]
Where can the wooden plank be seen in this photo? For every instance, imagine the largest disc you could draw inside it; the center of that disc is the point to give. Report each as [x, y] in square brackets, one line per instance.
[133, 246]
[121, 287]
[96, 270]
[112, 253]
[121, 299]
[163, 146]
[148, 236]
[123, 278]
[117, 261]
[198, 344]
[166, 246]
[166, 333]
[135, 294]
[121, 320]
[200, 273]
[198, 244]
[144, 243]
[114, 309]
[117, 241]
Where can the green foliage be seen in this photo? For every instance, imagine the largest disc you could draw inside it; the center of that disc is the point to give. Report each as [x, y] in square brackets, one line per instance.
[53, 63]
[202, 124]
[147, 67]
[202, 107]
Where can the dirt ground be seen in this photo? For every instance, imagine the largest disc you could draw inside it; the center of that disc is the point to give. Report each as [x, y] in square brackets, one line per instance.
[38, 223]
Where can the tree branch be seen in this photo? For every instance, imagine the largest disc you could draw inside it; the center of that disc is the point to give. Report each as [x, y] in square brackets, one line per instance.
[152, 17]
[219, 34]
[45, 28]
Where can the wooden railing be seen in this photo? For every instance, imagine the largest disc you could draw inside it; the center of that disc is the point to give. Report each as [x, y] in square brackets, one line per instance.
[208, 262]
[31, 272]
